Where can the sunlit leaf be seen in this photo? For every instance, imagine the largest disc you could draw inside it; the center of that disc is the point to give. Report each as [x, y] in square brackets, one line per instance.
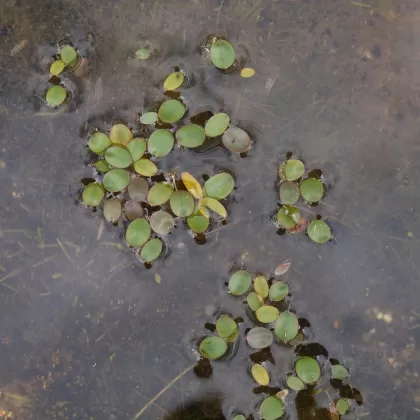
[116, 180]
[267, 314]
[308, 370]
[133, 210]
[138, 233]
[286, 326]
[289, 193]
[213, 347]
[239, 282]
[259, 338]
[152, 250]
[261, 286]
[227, 328]
[278, 291]
[99, 142]
[118, 157]
[213, 205]
[294, 383]
[162, 222]
[112, 210]
[171, 111]
[93, 194]
[312, 190]
[260, 374]
[217, 125]
[292, 169]
[182, 203]
[339, 372]
[159, 194]
[190, 135]
[160, 143]
[56, 95]
[57, 67]
[149, 118]
[271, 408]
[68, 54]
[120, 134]
[198, 223]
[219, 186]
[254, 301]
[236, 140]
[319, 231]
[137, 148]
[192, 185]
[174, 81]
[222, 54]
[145, 167]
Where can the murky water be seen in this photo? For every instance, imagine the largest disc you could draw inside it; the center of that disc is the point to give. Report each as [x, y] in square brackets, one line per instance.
[88, 333]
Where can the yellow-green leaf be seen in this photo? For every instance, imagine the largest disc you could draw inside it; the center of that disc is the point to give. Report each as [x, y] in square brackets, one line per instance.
[261, 286]
[173, 81]
[247, 72]
[260, 374]
[213, 205]
[192, 185]
[204, 211]
[57, 67]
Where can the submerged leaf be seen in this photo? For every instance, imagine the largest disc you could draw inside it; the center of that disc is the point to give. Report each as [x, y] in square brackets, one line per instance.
[213, 205]
[217, 124]
[120, 134]
[171, 111]
[267, 314]
[143, 53]
[319, 231]
[190, 135]
[222, 54]
[149, 118]
[152, 250]
[260, 374]
[227, 328]
[236, 140]
[160, 143]
[271, 408]
[286, 326]
[145, 167]
[198, 223]
[56, 95]
[219, 186]
[259, 338]
[239, 282]
[192, 185]
[162, 222]
[213, 347]
[312, 190]
[308, 370]
[112, 210]
[159, 194]
[174, 81]
[116, 180]
[99, 142]
[93, 194]
[138, 233]
[342, 405]
[339, 372]
[182, 203]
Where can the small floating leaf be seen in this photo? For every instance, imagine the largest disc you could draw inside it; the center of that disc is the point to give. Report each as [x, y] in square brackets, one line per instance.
[239, 417]
[260, 374]
[190, 135]
[192, 185]
[292, 169]
[159, 194]
[219, 186]
[288, 216]
[236, 140]
[289, 193]
[308, 370]
[222, 54]
[133, 210]
[120, 134]
[267, 314]
[138, 189]
[261, 286]
[213, 205]
[142, 53]
[254, 301]
[198, 223]
[342, 405]
[145, 167]
[68, 54]
[294, 383]
[102, 166]
[312, 190]
[286, 326]
[227, 328]
[239, 282]
[93, 194]
[116, 180]
[278, 291]
[204, 211]
[137, 233]
[57, 67]
[56, 95]
[339, 372]
[99, 142]
[217, 124]
[137, 148]
[247, 72]
[171, 111]
[162, 222]
[118, 156]
[259, 338]
[319, 231]
[213, 347]
[151, 250]
[160, 143]
[149, 118]
[182, 203]
[271, 408]
[174, 81]
[112, 210]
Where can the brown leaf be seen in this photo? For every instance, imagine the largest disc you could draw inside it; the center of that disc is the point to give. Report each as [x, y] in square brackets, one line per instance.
[282, 268]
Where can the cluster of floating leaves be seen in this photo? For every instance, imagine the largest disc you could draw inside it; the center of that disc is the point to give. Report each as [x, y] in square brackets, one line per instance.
[269, 302]
[293, 187]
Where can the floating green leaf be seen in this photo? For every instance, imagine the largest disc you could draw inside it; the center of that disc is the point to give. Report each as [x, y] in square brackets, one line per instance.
[57, 67]
[339, 372]
[116, 180]
[286, 326]
[261, 286]
[198, 223]
[213, 347]
[312, 190]
[120, 134]
[137, 148]
[267, 314]
[102, 166]
[236, 140]
[137, 233]
[288, 216]
[342, 405]
[222, 54]
[219, 186]
[254, 301]
[112, 210]
[143, 53]
[190, 135]
[149, 118]
[259, 338]
[99, 142]
[56, 95]
[292, 169]
[192, 185]
[217, 124]
[182, 203]
[162, 222]
[239, 282]
[138, 189]
[145, 167]
[278, 291]
[227, 328]
[271, 408]
[160, 143]
[294, 383]
[93, 194]
[308, 370]
[289, 193]
[151, 250]
[239, 417]
[133, 210]
[260, 374]
[171, 111]
[118, 156]
[213, 205]
[68, 54]
[159, 194]
[174, 81]
[319, 231]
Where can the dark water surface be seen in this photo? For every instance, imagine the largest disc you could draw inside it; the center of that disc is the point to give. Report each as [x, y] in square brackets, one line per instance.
[87, 333]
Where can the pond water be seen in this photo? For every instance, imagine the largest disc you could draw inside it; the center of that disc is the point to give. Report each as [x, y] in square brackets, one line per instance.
[86, 331]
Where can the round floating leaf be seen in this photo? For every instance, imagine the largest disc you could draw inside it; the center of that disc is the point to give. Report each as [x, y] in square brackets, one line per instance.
[312, 190]
[174, 81]
[239, 282]
[292, 169]
[294, 383]
[339, 372]
[267, 314]
[151, 250]
[319, 231]
[57, 67]
[213, 347]
[288, 216]
[162, 222]
[259, 338]
[271, 408]
[112, 210]
[56, 95]
[138, 189]
[260, 374]
[261, 286]
[286, 326]
[171, 111]
[118, 156]
[278, 291]
[116, 180]
[160, 143]
[227, 328]
[217, 125]
[182, 203]
[137, 148]
[222, 54]
[133, 210]
[120, 134]
[192, 185]
[93, 194]
[236, 140]
[197, 223]
[342, 405]
[239, 417]
[149, 118]
[143, 53]
[308, 370]
[289, 193]
[214, 205]
[137, 233]
[254, 301]
[99, 142]
[159, 194]
[190, 135]
[145, 167]
[68, 54]
[219, 186]
[102, 166]
[247, 72]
